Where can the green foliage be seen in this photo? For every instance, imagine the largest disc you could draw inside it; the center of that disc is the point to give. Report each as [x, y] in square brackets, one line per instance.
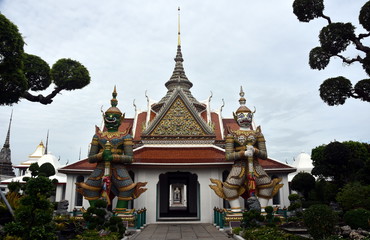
[358, 218]
[12, 80]
[343, 162]
[318, 59]
[269, 209]
[362, 88]
[294, 197]
[94, 234]
[237, 230]
[336, 37]
[268, 233]
[303, 182]
[354, 195]
[34, 168]
[21, 72]
[335, 91]
[252, 219]
[334, 40]
[37, 72]
[33, 217]
[69, 74]
[306, 10]
[325, 191]
[14, 186]
[47, 170]
[98, 218]
[364, 17]
[320, 221]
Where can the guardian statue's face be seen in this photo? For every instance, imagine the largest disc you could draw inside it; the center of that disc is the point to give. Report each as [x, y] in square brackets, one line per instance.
[244, 119]
[112, 121]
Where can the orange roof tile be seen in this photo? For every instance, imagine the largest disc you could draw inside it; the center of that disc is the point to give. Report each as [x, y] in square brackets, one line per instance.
[139, 125]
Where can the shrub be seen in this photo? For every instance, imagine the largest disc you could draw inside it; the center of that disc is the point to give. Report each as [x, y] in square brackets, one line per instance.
[320, 221]
[94, 234]
[303, 182]
[268, 233]
[269, 209]
[354, 195]
[252, 219]
[47, 170]
[237, 230]
[294, 197]
[99, 218]
[358, 218]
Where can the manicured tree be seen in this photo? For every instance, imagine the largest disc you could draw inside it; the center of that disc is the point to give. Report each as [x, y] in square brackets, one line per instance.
[342, 162]
[334, 40]
[358, 218]
[98, 218]
[354, 195]
[21, 73]
[47, 170]
[320, 221]
[33, 218]
[303, 183]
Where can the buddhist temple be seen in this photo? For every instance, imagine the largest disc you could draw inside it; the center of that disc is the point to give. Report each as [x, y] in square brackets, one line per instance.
[179, 144]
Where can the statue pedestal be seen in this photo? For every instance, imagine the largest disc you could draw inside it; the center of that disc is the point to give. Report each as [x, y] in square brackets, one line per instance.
[127, 216]
[231, 216]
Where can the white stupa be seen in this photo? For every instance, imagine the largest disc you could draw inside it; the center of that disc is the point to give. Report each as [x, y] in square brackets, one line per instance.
[303, 163]
[40, 157]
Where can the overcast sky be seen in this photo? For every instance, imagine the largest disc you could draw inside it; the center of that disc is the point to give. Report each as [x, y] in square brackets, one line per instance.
[259, 45]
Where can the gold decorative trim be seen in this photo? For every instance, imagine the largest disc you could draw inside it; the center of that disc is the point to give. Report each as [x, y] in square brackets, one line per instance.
[88, 187]
[271, 184]
[178, 120]
[217, 188]
[126, 188]
[230, 186]
[125, 198]
[91, 198]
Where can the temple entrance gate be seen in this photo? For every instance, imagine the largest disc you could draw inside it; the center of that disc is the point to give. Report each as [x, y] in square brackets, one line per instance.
[178, 197]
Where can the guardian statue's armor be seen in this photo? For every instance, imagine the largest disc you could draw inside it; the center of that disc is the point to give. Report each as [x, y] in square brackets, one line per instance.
[247, 178]
[112, 150]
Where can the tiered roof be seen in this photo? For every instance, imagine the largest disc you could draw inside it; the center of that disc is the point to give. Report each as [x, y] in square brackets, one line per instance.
[179, 131]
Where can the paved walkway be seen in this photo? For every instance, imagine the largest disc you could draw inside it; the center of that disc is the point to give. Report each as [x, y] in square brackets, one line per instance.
[180, 231]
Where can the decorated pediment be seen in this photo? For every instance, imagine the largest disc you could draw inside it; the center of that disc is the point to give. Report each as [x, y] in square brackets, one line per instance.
[178, 119]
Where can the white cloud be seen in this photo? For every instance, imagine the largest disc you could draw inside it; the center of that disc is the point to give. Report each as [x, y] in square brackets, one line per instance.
[131, 44]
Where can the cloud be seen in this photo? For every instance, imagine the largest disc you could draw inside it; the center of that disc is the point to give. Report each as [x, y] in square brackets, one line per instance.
[259, 45]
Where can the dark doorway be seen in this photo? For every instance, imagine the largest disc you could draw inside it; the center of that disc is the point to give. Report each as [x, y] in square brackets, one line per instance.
[178, 196]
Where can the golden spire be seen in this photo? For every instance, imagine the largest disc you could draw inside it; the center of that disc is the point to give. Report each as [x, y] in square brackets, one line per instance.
[178, 28]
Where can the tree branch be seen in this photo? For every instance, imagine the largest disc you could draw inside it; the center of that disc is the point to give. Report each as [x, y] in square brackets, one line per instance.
[349, 61]
[363, 35]
[40, 98]
[327, 18]
[359, 45]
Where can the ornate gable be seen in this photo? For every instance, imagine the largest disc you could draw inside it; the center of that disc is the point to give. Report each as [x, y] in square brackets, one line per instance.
[178, 119]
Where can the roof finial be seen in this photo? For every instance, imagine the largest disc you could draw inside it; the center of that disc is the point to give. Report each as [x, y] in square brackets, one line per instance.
[178, 28]
[114, 101]
[242, 100]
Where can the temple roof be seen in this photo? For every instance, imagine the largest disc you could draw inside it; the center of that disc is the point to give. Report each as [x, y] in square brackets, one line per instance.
[178, 79]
